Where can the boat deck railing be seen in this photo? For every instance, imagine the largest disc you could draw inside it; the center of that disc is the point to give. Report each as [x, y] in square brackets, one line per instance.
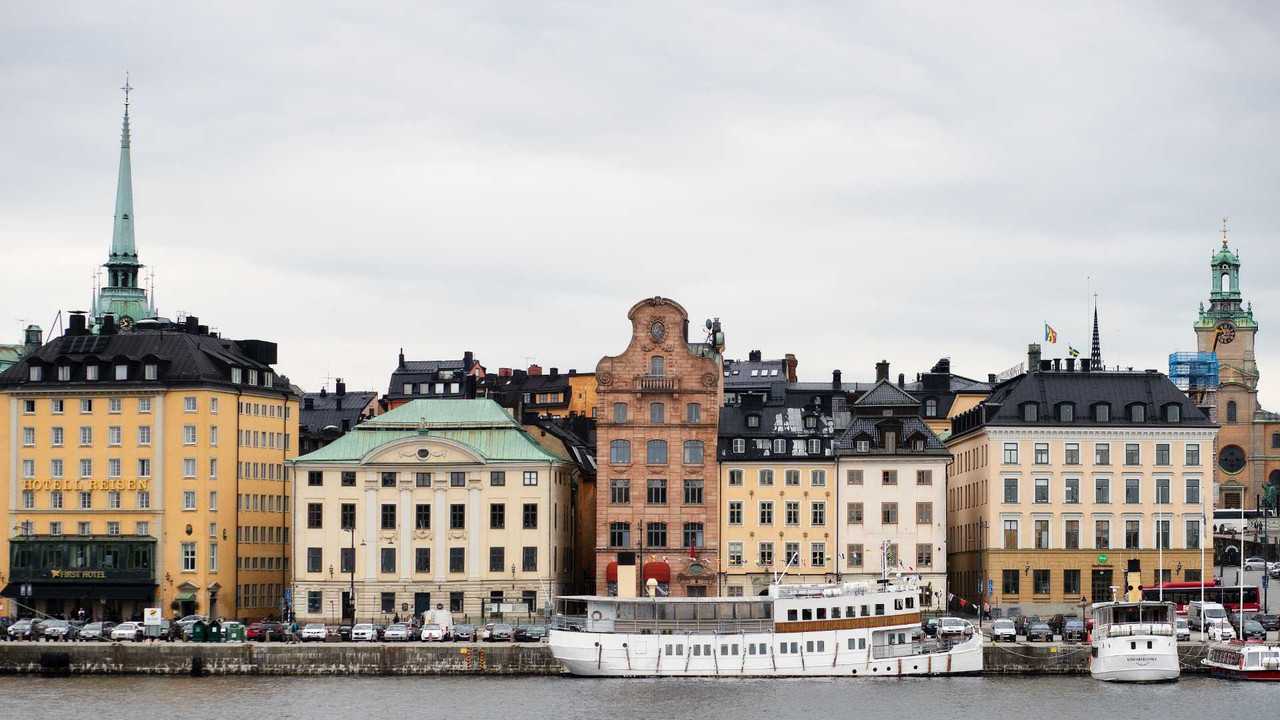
[882, 652]
[1129, 629]
[669, 627]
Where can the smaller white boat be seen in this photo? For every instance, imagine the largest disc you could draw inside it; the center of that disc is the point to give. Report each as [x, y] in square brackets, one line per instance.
[1244, 661]
[1134, 642]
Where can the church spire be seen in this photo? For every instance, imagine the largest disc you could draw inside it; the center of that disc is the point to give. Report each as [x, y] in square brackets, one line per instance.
[123, 250]
[1095, 357]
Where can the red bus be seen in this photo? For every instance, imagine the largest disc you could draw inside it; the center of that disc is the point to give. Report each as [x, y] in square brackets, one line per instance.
[1182, 593]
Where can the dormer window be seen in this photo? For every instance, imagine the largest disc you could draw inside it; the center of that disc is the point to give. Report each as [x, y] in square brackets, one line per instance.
[408, 388]
[811, 422]
[1173, 413]
[122, 372]
[931, 408]
[1137, 413]
[1030, 412]
[35, 373]
[739, 446]
[237, 375]
[862, 446]
[890, 439]
[253, 377]
[64, 373]
[917, 444]
[753, 421]
[780, 446]
[91, 372]
[268, 379]
[1066, 413]
[1102, 412]
[150, 371]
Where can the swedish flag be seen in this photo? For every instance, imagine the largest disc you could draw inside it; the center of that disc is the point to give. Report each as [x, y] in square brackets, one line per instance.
[1073, 352]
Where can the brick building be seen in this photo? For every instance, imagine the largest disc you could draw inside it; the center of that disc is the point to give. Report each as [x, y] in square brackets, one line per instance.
[658, 408]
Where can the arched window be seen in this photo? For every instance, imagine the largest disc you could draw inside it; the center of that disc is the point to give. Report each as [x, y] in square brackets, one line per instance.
[656, 452]
[620, 452]
[1226, 282]
[1231, 411]
[657, 365]
[1275, 440]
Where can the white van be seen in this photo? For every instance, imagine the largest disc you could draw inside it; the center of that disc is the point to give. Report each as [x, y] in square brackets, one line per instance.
[1200, 615]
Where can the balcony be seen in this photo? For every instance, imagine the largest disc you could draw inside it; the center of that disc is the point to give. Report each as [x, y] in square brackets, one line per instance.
[656, 384]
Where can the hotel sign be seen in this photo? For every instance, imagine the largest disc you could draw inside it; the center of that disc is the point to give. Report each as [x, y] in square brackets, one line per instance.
[74, 485]
[78, 574]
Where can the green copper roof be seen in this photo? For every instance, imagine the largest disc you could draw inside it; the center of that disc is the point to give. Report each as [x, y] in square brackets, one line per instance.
[481, 425]
[123, 251]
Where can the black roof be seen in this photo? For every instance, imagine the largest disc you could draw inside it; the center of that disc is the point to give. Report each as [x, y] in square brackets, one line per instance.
[328, 409]
[416, 372]
[874, 427]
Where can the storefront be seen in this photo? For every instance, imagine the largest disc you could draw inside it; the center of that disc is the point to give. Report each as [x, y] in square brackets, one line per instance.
[94, 577]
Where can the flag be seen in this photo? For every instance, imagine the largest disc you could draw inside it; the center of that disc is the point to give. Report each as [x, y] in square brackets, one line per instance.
[1050, 335]
[1073, 352]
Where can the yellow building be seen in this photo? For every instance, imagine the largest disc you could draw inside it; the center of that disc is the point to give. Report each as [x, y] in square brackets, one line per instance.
[146, 468]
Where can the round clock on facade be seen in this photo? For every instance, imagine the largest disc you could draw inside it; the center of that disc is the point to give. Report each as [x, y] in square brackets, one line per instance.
[126, 322]
[1226, 332]
[1231, 459]
[657, 331]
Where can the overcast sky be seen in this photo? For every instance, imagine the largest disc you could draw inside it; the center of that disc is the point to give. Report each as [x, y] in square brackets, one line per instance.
[845, 184]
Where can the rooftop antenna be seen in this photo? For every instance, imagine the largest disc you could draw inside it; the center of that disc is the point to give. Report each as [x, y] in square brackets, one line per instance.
[1224, 233]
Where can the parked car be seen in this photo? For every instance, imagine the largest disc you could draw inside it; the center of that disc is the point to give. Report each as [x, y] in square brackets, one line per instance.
[96, 631]
[1252, 629]
[531, 633]
[464, 632]
[130, 631]
[1181, 629]
[1202, 614]
[1026, 621]
[501, 632]
[364, 632]
[930, 626]
[313, 632]
[1275, 571]
[1255, 563]
[1268, 621]
[1039, 632]
[344, 633]
[1004, 629]
[396, 632]
[24, 629]
[485, 632]
[432, 632]
[1072, 629]
[265, 632]
[1220, 630]
[950, 627]
[1059, 621]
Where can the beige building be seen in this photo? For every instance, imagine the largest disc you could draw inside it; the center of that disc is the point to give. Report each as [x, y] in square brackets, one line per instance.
[436, 503]
[1062, 477]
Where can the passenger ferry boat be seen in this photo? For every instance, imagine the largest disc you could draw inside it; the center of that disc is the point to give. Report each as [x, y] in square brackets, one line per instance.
[1134, 642]
[829, 629]
[1244, 660]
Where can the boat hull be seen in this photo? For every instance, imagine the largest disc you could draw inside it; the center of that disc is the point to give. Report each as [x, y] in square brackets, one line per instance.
[1114, 664]
[1246, 675]
[588, 654]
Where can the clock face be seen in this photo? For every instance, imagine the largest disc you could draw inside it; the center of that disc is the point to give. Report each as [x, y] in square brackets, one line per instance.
[657, 330]
[1231, 459]
[126, 322]
[1226, 332]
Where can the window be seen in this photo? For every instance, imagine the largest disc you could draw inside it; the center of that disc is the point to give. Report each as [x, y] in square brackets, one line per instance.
[818, 514]
[188, 557]
[314, 559]
[28, 499]
[888, 477]
[188, 434]
[1101, 490]
[143, 499]
[1162, 491]
[315, 478]
[1042, 534]
[86, 406]
[1132, 455]
[1066, 412]
[315, 514]
[889, 513]
[656, 535]
[213, 500]
[1042, 453]
[457, 479]
[347, 516]
[144, 434]
[388, 560]
[1011, 490]
[791, 477]
[657, 365]
[1193, 452]
[1132, 491]
[388, 479]
[144, 405]
[739, 446]
[931, 408]
[421, 560]
[693, 535]
[529, 516]
[58, 437]
[1040, 582]
[113, 499]
[766, 512]
[656, 491]
[188, 499]
[765, 477]
[693, 491]
[619, 534]
[735, 512]
[497, 478]
[421, 516]
[1009, 582]
[620, 452]
[735, 554]
[1162, 534]
[1072, 541]
[1071, 454]
[457, 516]
[779, 446]
[86, 436]
[792, 555]
[1193, 491]
[1193, 535]
[853, 555]
[853, 513]
[530, 478]
[1137, 413]
[388, 516]
[1102, 534]
[1132, 534]
[1102, 453]
[620, 491]
[1030, 412]
[853, 477]
[497, 559]
[924, 555]
[656, 452]
[1042, 490]
[657, 413]
[924, 513]
[150, 371]
[86, 468]
[735, 478]
[753, 421]
[188, 467]
[29, 437]
[1010, 534]
[1072, 495]
[457, 561]
[818, 555]
[144, 467]
[1011, 453]
[1173, 413]
[693, 413]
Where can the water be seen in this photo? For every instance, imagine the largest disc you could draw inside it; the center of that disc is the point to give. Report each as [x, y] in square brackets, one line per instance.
[465, 698]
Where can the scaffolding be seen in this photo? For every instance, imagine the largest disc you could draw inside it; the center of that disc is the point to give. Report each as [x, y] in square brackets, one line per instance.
[1194, 371]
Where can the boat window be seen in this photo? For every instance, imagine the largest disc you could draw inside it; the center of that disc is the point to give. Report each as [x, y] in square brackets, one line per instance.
[911, 602]
[782, 648]
[697, 650]
[793, 615]
[806, 614]
[762, 611]
[850, 644]
[735, 648]
[893, 639]
[664, 610]
[679, 650]
[724, 611]
[897, 604]
[879, 608]
[822, 646]
[808, 646]
[850, 612]
[626, 611]
[669, 650]
[751, 648]
[835, 613]
[822, 613]
[862, 643]
[645, 611]
[795, 648]
[706, 611]
[762, 649]
[724, 649]
[684, 611]
[865, 611]
[742, 610]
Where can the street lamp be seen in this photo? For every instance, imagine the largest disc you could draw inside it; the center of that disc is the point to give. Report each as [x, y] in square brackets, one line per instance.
[351, 596]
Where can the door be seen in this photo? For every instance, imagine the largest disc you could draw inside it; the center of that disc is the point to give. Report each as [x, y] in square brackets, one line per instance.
[421, 603]
[348, 612]
[1100, 588]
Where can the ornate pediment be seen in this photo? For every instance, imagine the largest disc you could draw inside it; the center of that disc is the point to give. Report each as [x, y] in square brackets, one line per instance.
[423, 451]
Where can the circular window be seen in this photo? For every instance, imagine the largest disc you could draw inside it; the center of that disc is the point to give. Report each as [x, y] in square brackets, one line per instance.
[596, 615]
[1231, 459]
[423, 453]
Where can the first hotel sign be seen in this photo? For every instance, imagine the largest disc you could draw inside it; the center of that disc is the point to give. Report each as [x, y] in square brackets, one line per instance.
[78, 485]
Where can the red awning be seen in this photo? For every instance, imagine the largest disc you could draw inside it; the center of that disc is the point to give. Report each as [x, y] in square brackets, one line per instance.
[657, 570]
[611, 572]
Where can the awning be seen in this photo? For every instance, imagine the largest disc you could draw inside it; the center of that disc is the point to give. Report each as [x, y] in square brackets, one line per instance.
[657, 570]
[611, 572]
[185, 595]
[87, 591]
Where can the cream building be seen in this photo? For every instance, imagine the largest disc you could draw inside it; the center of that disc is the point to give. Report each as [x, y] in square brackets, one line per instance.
[1062, 477]
[436, 503]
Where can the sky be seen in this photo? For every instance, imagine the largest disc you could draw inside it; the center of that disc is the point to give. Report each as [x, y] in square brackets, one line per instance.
[847, 182]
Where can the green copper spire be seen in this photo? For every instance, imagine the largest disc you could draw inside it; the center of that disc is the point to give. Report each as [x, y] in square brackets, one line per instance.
[123, 250]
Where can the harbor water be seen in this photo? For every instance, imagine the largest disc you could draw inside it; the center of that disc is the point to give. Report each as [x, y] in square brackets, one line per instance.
[483, 698]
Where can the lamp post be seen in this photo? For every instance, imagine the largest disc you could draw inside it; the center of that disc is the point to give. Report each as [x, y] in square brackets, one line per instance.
[351, 595]
[982, 576]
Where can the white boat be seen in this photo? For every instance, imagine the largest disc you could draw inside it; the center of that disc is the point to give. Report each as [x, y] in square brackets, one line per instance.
[829, 629]
[1134, 642]
[1245, 661]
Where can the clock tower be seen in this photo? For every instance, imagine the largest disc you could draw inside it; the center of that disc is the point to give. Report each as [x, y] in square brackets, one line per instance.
[1227, 329]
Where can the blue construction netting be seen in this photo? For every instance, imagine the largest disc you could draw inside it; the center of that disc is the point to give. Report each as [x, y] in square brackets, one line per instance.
[1194, 370]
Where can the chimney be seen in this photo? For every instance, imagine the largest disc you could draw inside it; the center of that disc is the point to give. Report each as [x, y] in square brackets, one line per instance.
[340, 388]
[202, 330]
[835, 379]
[192, 326]
[1033, 357]
[901, 380]
[555, 372]
[572, 372]
[34, 339]
[504, 372]
[882, 370]
[1071, 364]
[1046, 365]
[401, 365]
[1057, 364]
[468, 359]
[753, 356]
[991, 378]
[324, 392]
[535, 370]
[1084, 364]
[108, 326]
[791, 367]
[76, 325]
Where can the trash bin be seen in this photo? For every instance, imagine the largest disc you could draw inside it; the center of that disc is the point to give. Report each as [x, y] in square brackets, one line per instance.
[215, 632]
[199, 631]
[234, 632]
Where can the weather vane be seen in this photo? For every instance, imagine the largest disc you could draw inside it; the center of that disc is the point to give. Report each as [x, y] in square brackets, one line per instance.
[126, 88]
